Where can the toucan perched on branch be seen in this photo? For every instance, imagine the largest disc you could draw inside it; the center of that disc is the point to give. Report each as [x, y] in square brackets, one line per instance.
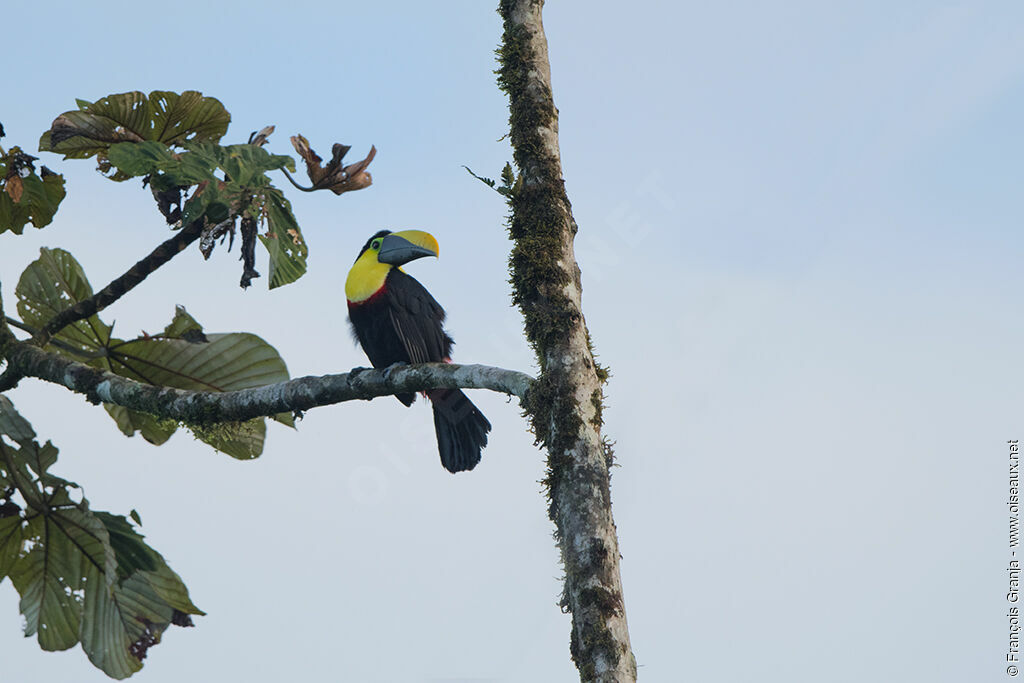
[397, 321]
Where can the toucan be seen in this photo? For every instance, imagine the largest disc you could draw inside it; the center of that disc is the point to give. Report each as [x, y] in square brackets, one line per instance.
[396, 320]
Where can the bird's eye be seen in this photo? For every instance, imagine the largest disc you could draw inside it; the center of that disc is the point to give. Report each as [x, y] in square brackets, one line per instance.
[375, 244]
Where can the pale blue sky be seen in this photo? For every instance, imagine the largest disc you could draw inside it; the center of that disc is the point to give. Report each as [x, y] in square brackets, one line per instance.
[800, 244]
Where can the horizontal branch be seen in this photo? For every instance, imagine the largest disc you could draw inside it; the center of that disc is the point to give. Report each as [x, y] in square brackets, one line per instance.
[303, 393]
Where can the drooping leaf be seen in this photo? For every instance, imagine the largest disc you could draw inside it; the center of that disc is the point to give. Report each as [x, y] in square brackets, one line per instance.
[183, 357]
[134, 555]
[112, 622]
[152, 157]
[225, 362]
[184, 326]
[13, 424]
[165, 117]
[284, 241]
[82, 575]
[49, 580]
[11, 542]
[25, 196]
[241, 440]
[153, 429]
[52, 283]
[49, 577]
[245, 165]
[120, 624]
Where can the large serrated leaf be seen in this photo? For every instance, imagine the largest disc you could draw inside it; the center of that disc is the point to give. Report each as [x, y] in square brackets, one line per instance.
[284, 242]
[52, 283]
[135, 556]
[186, 358]
[82, 575]
[183, 357]
[162, 116]
[29, 199]
[153, 429]
[225, 362]
[119, 623]
[241, 440]
[144, 158]
[110, 626]
[10, 543]
[13, 424]
[49, 577]
[188, 117]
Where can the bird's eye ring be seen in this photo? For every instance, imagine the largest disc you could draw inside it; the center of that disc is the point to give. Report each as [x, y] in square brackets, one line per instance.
[376, 244]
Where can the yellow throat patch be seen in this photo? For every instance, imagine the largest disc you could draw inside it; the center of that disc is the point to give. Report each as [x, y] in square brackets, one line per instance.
[366, 277]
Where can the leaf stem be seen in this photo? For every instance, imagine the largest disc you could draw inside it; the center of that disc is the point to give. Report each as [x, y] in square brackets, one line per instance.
[292, 181]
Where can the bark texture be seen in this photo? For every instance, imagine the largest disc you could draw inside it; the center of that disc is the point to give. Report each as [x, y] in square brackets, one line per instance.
[566, 400]
[297, 395]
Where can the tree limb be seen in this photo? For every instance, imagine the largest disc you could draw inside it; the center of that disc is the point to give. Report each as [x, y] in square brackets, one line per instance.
[296, 395]
[123, 284]
[565, 403]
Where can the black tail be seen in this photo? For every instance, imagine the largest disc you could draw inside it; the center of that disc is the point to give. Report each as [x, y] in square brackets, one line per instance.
[461, 429]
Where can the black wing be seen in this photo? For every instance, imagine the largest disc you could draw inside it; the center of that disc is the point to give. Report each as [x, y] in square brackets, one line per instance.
[417, 319]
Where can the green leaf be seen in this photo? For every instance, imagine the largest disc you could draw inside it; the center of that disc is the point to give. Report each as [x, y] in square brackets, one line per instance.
[161, 116]
[184, 326]
[153, 429]
[25, 196]
[131, 552]
[188, 117]
[11, 542]
[186, 358]
[140, 158]
[509, 183]
[134, 556]
[82, 575]
[200, 200]
[243, 164]
[120, 623]
[241, 440]
[49, 578]
[284, 241]
[144, 158]
[113, 622]
[13, 424]
[52, 283]
[225, 362]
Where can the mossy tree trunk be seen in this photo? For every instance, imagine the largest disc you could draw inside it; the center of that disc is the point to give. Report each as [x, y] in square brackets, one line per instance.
[565, 403]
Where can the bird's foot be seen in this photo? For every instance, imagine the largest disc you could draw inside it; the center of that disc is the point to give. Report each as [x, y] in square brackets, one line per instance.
[393, 366]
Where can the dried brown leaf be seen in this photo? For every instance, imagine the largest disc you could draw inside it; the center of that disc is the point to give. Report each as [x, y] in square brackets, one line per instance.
[334, 176]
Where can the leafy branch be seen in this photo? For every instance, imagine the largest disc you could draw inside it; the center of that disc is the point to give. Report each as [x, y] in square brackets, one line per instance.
[87, 576]
[83, 575]
[200, 408]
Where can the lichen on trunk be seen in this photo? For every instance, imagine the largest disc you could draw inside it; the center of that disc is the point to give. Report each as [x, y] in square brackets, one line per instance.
[565, 403]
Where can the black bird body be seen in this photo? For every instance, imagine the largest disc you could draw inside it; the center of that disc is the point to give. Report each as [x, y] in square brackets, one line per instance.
[396, 320]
